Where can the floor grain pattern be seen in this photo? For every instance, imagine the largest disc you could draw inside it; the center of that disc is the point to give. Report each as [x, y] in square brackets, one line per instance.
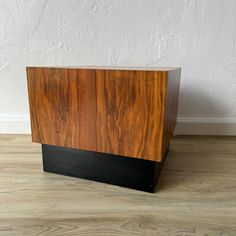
[196, 194]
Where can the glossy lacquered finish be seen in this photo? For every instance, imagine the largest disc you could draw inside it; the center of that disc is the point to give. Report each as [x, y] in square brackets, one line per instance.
[126, 112]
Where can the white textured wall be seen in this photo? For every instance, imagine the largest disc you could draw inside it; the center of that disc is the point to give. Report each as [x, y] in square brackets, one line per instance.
[199, 36]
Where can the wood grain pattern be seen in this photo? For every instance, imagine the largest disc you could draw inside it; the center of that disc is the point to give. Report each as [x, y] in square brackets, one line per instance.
[196, 197]
[124, 112]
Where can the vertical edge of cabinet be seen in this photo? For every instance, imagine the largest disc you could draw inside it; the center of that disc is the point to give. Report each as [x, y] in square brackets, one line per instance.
[31, 85]
[156, 147]
[171, 106]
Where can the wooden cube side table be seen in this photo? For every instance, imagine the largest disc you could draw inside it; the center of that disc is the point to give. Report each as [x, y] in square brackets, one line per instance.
[109, 124]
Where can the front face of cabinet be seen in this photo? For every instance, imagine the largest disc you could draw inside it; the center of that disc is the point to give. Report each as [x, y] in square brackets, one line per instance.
[110, 111]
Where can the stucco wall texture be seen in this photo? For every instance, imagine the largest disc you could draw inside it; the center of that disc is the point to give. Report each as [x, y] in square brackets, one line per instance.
[199, 36]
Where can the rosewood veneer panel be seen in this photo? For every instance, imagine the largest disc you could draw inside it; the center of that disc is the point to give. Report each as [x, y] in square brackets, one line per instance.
[126, 112]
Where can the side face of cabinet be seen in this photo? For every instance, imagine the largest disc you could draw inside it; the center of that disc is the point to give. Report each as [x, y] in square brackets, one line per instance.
[121, 112]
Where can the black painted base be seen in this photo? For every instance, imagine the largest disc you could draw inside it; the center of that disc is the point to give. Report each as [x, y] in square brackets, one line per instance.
[113, 169]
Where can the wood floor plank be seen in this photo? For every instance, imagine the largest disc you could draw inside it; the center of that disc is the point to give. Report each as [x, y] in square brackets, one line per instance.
[196, 194]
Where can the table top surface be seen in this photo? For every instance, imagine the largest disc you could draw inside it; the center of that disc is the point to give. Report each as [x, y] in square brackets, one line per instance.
[132, 68]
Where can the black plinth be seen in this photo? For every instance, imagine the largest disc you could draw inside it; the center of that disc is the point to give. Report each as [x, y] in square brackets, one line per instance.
[113, 169]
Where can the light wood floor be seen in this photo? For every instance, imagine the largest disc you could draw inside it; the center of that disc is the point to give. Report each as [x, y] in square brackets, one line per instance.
[196, 196]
